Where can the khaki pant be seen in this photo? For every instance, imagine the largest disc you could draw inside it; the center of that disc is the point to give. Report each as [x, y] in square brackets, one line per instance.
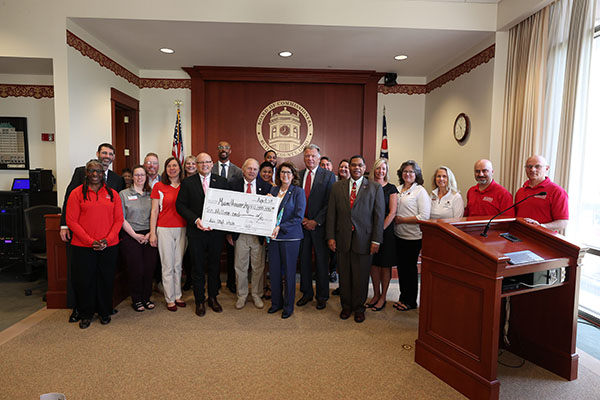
[249, 250]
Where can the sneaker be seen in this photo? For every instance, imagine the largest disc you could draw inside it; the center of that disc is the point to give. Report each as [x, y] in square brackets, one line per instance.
[240, 303]
[258, 303]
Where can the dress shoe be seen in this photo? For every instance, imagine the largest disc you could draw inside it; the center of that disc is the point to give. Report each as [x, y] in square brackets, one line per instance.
[85, 323]
[172, 308]
[74, 317]
[304, 300]
[214, 304]
[273, 310]
[180, 303]
[333, 277]
[359, 316]
[345, 314]
[336, 292]
[105, 320]
[321, 304]
[240, 303]
[200, 310]
[258, 303]
[286, 314]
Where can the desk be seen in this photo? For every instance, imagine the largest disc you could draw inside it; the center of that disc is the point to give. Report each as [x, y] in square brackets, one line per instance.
[56, 296]
[461, 297]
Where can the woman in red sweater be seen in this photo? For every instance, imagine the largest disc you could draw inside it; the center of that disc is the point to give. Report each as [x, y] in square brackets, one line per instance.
[95, 217]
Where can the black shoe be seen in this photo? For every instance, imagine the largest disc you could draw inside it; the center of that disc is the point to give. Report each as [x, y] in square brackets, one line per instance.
[214, 304]
[286, 315]
[304, 300]
[359, 316]
[333, 277]
[321, 304]
[74, 317]
[273, 310]
[336, 292]
[113, 311]
[345, 313]
[85, 323]
[200, 310]
[105, 320]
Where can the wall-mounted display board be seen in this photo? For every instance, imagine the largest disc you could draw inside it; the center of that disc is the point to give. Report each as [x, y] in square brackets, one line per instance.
[14, 150]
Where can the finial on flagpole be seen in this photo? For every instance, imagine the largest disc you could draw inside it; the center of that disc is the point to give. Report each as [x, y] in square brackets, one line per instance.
[178, 103]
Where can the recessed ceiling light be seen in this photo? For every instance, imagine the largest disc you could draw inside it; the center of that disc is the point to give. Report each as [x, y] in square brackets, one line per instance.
[167, 50]
[400, 57]
[285, 53]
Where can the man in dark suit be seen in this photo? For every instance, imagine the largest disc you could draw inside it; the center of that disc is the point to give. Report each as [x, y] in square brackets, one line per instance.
[249, 248]
[354, 230]
[225, 168]
[317, 184]
[106, 155]
[205, 243]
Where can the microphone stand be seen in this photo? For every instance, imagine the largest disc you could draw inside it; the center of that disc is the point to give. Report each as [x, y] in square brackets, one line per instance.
[487, 227]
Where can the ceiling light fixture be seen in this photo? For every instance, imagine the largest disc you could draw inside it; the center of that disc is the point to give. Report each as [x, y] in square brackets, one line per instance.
[400, 57]
[167, 50]
[285, 54]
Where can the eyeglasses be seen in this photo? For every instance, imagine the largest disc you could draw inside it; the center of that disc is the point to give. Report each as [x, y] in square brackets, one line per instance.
[286, 172]
[98, 171]
[536, 166]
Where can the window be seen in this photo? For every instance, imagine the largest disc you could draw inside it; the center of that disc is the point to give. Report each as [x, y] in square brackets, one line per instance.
[584, 196]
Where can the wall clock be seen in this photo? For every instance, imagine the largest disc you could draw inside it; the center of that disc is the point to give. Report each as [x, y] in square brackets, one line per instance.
[462, 126]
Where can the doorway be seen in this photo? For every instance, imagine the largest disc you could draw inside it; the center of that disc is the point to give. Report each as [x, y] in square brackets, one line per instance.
[125, 130]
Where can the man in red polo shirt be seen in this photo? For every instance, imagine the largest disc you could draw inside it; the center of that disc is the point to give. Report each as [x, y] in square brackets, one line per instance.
[487, 198]
[550, 210]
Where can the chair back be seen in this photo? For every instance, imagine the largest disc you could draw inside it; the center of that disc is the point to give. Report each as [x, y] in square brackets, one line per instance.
[35, 226]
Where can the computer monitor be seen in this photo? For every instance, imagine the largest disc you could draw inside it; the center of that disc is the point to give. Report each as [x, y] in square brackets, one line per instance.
[20, 184]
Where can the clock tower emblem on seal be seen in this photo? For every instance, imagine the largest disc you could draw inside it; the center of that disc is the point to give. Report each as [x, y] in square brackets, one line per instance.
[289, 128]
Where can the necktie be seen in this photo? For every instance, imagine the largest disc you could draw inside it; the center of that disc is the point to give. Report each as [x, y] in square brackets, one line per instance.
[249, 189]
[353, 194]
[223, 171]
[308, 184]
[205, 184]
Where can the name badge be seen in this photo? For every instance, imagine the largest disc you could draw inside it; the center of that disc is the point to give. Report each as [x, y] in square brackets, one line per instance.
[132, 198]
[489, 199]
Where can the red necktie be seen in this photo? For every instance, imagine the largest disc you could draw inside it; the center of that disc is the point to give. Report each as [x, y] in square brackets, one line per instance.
[307, 184]
[249, 189]
[353, 194]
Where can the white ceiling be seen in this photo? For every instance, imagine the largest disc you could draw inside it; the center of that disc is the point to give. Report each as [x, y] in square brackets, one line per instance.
[258, 45]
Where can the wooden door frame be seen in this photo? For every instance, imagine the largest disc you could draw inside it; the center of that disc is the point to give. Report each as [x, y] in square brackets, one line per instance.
[129, 103]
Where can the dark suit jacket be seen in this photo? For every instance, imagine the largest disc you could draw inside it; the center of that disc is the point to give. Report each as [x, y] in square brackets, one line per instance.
[366, 216]
[262, 188]
[233, 172]
[190, 200]
[316, 206]
[290, 226]
[114, 182]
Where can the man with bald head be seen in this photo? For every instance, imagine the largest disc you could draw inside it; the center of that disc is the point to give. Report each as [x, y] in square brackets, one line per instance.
[487, 198]
[205, 243]
[249, 248]
[550, 210]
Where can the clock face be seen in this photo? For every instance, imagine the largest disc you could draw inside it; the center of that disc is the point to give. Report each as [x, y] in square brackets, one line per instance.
[461, 127]
[284, 130]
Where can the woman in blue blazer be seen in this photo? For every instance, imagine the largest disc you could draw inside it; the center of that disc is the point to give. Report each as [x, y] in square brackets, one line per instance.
[284, 243]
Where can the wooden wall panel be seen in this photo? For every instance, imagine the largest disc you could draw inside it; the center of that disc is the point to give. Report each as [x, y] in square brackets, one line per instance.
[226, 103]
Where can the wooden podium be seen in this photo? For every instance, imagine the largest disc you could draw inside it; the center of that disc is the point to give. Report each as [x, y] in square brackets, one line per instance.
[462, 297]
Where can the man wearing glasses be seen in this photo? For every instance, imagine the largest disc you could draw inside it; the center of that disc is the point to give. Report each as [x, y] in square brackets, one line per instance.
[151, 167]
[487, 197]
[228, 170]
[106, 155]
[550, 210]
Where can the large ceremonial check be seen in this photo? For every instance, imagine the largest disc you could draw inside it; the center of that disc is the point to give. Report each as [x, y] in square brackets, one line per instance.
[240, 212]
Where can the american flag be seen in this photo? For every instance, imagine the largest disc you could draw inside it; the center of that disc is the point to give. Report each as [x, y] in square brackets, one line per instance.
[177, 151]
[384, 139]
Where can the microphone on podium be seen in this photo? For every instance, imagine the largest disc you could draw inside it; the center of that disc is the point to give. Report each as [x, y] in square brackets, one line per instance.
[487, 227]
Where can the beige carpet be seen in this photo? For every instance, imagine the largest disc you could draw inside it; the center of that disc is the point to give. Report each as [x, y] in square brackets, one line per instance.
[244, 354]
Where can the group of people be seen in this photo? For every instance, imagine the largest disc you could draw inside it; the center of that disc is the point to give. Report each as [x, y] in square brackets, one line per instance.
[369, 225]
